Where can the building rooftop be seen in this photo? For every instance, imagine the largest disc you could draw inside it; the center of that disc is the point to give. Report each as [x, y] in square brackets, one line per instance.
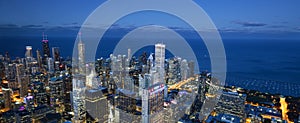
[127, 92]
[227, 118]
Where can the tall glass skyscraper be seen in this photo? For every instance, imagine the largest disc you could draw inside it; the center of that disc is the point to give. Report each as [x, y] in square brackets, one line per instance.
[39, 59]
[55, 53]
[46, 50]
[79, 78]
[160, 62]
[81, 57]
[153, 95]
[56, 57]
[28, 53]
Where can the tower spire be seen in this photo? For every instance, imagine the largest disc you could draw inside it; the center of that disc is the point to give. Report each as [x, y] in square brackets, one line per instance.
[43, 36]
[45, 39]
[79, 36]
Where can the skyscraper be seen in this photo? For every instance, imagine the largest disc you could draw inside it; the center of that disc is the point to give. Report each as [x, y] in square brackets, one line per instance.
[79, 80]
[50, 65]
[97, 106]
[152, 104]
[129, 54]
[46, 50]
[153, 94]
[12, 76]
[28, 53]
[160, 61]
[57, 89]
[126, 107]
[191, 65]
[23, 79]
[232, 103]
[173, 75]
[184, 69]
[39, 59]
[56, 57]
[91, 80]
[81, 56]
[55, 53]
[7, 57]
[7, 97]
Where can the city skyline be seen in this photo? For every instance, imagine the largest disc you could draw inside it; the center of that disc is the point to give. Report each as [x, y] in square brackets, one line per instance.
[150, 61]
[161, 97]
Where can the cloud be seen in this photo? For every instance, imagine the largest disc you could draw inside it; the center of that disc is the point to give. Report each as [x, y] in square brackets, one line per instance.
[32, 26]
[9, 26]
[118, 26]
[277, 26]
[14, 26]
[180, 28]
[230, 30]
[249, 24]
[74, 23]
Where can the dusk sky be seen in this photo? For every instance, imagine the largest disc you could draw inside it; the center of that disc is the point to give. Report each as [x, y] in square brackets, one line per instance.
[234, 19]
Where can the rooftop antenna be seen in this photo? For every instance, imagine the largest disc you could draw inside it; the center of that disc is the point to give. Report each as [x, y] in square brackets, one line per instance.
[79, 36]
[45, 37]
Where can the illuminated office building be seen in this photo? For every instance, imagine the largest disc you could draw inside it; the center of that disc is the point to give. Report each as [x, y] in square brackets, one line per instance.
[56, 57]
[91, 80]
[232, 103]
[126, 107]
[8, 117]
[11, 73]
[57, 89]
[79, 80]
[23, 116]
[55, 53]
[50, 65]
[184, 69]
[28, 53]
[191, 65]
[96, 105]
[7, 97]
[25, 80]
[81, 56]
[38, 91]
[160, 62]
[39, 59]
[40, 112]
[200, 96]
[153, 94]
[22, 79]
[129, 54]
[46, 49]
[8, 71]
[29, 102]
[152, 104]
[173, 75]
